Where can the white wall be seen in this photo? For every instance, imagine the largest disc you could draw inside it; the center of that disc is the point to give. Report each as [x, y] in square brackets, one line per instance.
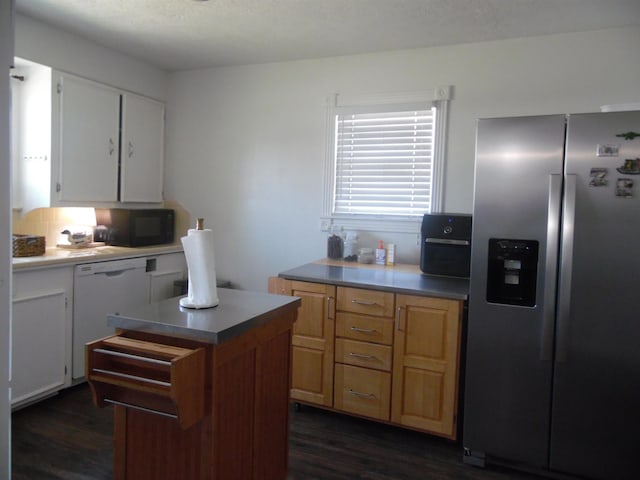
[5, 226]
[64, 51]
[245, 145]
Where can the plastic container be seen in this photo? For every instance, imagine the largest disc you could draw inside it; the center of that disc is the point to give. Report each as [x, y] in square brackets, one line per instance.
[366, 255]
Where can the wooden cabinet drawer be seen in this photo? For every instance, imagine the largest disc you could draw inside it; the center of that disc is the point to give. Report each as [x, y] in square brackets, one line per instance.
[154, 377]
[365, 328]
[363, 354]
[369, 302]
[362, 391]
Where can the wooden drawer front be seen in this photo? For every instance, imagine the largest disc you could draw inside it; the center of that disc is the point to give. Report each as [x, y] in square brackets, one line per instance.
[369, 302]
[369, 355]
[158, 378]
[365, 328]
[362, 391]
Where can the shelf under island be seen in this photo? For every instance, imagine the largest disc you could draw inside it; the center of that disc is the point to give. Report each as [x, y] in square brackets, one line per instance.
[198, 394]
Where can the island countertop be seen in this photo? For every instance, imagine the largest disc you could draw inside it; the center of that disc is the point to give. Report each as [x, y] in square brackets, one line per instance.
[238, 312]
[398, 278]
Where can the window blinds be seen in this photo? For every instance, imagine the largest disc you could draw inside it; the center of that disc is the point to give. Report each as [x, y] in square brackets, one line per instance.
[384, 162]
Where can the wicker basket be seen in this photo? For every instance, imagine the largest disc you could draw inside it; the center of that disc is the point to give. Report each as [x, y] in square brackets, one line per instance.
[28, 245]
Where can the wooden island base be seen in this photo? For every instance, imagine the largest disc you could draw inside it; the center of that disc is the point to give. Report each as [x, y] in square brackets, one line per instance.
[243, 429]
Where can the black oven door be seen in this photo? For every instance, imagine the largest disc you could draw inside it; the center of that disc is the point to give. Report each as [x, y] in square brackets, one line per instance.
[447, 257]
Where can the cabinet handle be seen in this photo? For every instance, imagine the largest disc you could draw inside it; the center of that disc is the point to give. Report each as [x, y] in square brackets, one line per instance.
[130, 149]
[360, 355]
[361, 395]
[329, 308]
[399, 319]
[364, 302]
[362, 330]
[132, 357]
[131, 377]
[112, 146]
[137, 407]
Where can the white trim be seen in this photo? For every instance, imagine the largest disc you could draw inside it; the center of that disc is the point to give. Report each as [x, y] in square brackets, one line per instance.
[436, 94]
[439, 156]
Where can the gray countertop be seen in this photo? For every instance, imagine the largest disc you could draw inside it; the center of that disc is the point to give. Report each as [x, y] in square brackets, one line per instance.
[400, 279]
[237, 312]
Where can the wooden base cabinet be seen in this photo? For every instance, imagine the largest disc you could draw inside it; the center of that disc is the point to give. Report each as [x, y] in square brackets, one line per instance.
[426, 364]
[387, 356]
[312, 340]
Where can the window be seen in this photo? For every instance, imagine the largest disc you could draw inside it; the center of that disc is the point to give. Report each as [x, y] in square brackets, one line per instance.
[384, 160]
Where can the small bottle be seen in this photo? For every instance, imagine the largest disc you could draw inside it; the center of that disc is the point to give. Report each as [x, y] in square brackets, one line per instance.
[200, 224]
[380, 254]
[391, 254]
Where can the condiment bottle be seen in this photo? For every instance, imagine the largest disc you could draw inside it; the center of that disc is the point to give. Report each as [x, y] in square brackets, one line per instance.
[380, 254]
[391, 254]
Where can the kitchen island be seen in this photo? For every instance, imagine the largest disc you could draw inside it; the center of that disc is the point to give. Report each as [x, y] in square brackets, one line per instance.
[198, 394]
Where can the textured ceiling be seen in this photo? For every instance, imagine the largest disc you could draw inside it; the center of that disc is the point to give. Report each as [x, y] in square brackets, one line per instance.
[187, 34]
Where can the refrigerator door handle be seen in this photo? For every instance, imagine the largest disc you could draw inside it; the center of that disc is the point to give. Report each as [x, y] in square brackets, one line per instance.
[566, 263]
[549, 301]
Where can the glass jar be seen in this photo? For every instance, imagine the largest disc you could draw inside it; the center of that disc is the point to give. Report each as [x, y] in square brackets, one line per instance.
[335, 244]
[350, 243]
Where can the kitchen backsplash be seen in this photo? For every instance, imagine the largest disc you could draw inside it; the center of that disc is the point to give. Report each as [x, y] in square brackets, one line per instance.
[49, 222]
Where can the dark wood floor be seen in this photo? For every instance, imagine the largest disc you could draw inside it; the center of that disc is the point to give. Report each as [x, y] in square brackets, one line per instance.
[65, 437]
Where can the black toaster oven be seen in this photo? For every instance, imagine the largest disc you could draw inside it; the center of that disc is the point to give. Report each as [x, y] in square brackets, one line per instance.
[446, 244]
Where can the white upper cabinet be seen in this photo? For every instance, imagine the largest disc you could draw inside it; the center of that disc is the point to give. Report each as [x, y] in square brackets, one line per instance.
[82, 143]
[86, 141]
[141, 150]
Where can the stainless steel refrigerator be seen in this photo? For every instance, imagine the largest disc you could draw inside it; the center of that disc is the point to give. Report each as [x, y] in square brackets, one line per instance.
[552, 377]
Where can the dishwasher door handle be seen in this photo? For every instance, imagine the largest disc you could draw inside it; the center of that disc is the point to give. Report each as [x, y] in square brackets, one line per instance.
[114, 273]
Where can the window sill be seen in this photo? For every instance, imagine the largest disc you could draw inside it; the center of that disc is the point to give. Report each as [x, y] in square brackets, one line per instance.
[373, 224]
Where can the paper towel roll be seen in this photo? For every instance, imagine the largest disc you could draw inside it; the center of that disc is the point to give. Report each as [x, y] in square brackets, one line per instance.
[198, 250]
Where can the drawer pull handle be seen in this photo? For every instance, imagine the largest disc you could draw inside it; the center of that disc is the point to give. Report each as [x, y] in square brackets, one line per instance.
[131, 377]
[361, 395]
[399, 319]
[360, 355]
[138, 407]
[362, 330]
[367, 303]
[133, 357]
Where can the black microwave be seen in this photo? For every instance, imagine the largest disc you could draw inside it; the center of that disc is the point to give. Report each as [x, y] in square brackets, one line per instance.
[126, 227]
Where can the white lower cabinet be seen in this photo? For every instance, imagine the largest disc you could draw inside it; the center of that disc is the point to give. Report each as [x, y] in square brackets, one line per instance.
[163, 271]
[40, 333]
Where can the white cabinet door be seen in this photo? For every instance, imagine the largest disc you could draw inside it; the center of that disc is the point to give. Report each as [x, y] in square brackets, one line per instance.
[88, 141]
[142, 149]
[169, 268]
[40, 334]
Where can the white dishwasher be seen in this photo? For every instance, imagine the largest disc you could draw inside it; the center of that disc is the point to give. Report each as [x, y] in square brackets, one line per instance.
[99, 289]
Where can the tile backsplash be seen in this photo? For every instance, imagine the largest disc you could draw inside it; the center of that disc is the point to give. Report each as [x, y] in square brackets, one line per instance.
[49, 222]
